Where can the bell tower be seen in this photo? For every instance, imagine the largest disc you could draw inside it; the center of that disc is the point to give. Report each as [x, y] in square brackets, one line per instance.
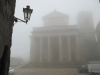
[86, 27]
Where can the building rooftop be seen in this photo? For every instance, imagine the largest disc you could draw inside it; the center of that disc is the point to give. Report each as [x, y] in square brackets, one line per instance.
[55, 19]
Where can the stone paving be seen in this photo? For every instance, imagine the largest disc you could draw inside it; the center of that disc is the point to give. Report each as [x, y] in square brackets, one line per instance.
[34, 71]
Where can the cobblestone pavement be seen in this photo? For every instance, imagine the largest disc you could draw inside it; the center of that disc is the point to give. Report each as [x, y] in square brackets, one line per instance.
[19, 71]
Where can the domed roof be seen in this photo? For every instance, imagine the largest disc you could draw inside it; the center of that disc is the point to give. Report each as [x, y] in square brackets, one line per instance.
[55, 19]
[55, 14]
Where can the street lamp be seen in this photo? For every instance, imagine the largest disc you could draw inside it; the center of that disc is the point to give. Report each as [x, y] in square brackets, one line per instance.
[27, 14]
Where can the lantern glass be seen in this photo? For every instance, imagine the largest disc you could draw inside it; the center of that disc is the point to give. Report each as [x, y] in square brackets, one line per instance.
[27, 13]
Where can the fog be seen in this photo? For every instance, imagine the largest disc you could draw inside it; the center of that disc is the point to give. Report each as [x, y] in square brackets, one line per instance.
[21, 31]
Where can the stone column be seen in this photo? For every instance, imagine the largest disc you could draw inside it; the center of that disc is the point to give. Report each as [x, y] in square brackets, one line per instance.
[40, 49]
[32, 52]
[77, 48]
[49, 50]
[82, 49]
[35, 50]
[60, 49]
[69, 49]
[31, 48]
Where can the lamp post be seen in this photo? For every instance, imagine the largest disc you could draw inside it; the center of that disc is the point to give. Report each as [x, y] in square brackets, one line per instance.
[27, 14]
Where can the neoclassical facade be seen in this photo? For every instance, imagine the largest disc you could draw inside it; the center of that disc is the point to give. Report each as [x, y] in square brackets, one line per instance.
[57, 41]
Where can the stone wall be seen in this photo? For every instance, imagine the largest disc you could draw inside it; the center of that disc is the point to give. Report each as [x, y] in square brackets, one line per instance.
[7, 8]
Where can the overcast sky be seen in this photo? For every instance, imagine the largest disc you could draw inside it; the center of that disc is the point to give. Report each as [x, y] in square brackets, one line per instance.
[21, 31]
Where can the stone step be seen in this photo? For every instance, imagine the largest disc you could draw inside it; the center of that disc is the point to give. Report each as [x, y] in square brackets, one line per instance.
[52, 65]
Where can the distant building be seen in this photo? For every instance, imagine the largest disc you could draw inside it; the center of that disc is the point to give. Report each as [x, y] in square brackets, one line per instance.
[16, 61]
[98, 37]
[86, 29]
[59, 42]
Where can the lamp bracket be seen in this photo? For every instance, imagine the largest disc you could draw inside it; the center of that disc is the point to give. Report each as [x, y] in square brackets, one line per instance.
[16, 20]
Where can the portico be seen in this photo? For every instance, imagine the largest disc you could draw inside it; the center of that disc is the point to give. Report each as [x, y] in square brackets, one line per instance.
[54, 47]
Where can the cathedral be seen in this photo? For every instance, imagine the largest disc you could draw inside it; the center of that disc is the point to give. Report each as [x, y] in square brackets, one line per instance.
[59, 42]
